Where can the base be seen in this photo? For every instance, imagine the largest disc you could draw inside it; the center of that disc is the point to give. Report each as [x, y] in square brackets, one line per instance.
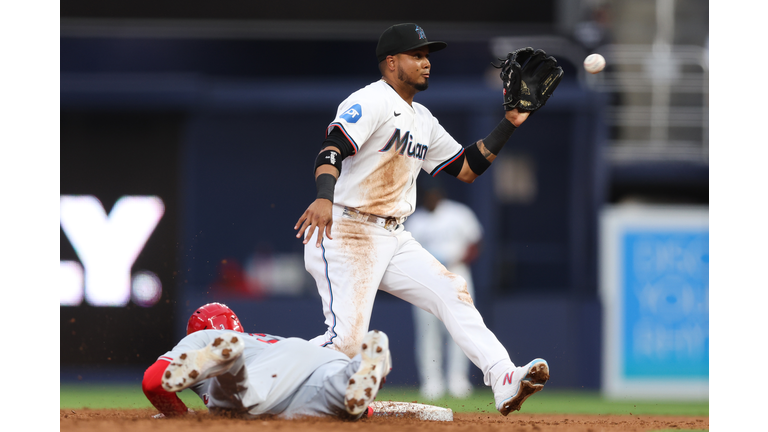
[411, 410]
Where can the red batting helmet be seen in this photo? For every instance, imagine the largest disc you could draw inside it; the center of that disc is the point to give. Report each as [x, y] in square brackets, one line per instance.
[213, 316]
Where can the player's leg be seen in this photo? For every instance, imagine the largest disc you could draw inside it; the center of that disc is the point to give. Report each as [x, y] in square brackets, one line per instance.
[232, 391]
[417, 277]
[214, 359]
[323, 392]
[457, 371]
[347, 271]
[428, 339]
[457, 363]
[221, 361]
[345, 388]
[375, 365]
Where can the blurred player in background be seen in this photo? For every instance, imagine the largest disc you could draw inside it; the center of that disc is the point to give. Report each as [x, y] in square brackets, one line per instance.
[450, 231]
[251, 374]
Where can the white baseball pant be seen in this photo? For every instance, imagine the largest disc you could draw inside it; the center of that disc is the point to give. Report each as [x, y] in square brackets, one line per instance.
[363, 258]
[431, 347]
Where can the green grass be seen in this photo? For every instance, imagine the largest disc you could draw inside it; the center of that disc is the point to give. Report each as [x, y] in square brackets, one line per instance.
[98, 396]
[556, 402]
[74, 396]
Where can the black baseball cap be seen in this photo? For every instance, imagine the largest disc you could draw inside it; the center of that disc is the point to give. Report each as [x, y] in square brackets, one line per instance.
[404, 37]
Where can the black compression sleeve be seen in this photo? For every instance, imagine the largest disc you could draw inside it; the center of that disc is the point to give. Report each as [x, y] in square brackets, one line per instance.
[338, 139]
[499, 136]
[325, 185]
[475, 159]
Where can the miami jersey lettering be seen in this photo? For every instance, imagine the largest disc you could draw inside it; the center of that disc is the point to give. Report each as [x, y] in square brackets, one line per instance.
[418, 151]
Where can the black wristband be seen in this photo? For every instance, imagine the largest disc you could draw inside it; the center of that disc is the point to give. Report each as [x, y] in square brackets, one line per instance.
[328, 157]
[325, 185]
[499, 136]
[476, 161]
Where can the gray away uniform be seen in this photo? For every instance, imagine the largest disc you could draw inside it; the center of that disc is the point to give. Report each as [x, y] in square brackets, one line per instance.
[287, 377]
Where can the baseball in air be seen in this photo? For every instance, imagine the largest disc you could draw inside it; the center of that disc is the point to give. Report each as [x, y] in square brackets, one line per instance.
[594, 63]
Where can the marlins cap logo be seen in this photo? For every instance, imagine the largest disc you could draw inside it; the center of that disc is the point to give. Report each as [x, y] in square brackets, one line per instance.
[421, 33]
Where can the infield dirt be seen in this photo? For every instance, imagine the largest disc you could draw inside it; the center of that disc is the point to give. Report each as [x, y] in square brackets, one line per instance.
[139, 420]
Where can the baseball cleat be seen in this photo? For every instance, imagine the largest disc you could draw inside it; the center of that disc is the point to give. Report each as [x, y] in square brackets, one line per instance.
[364, 384]
[518, 385]
[194, 366]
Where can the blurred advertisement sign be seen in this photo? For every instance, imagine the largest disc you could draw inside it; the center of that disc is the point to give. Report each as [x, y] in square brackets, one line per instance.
[108, 246]
[654, 269]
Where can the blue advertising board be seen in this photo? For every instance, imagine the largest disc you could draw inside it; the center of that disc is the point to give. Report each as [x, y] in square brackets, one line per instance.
[655, 294]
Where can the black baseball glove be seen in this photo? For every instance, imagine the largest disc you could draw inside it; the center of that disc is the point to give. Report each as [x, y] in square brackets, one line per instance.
[529, 79]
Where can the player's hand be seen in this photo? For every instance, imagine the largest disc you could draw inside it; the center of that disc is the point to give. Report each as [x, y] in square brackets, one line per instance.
[318, 215]
[516, 117]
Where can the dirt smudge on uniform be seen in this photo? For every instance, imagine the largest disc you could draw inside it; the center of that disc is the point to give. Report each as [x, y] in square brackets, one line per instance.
[386, 183]
[356, 245]
[457, 281]
[464, 294]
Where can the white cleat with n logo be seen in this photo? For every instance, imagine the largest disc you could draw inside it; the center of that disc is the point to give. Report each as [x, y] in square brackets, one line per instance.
[514, 387]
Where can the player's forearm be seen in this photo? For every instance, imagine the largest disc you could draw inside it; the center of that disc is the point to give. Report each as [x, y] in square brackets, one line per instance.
[166, 402]
[326, 169]
[479, 157]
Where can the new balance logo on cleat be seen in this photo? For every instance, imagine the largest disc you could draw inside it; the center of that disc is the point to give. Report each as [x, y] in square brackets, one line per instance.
[508, 378]
[516, 386]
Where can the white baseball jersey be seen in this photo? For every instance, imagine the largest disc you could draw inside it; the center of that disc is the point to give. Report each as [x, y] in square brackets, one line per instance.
[392, 141]
[447, 231]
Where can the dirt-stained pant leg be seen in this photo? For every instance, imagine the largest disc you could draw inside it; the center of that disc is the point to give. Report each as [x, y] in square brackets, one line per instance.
[347, 271]
[430, 345]
[232, 391]
[415, 276]
[323, 393]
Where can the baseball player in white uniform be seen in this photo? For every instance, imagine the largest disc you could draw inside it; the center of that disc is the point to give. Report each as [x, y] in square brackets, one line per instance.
[249, 374]
[355, 241]
[450, 231]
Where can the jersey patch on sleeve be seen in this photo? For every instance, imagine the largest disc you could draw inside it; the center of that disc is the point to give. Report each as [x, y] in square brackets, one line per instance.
[353, 114]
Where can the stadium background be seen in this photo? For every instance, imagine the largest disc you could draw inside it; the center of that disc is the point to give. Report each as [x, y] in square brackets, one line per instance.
[218, 110]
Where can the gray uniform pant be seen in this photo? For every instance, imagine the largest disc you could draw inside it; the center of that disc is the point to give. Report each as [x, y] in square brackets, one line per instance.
[320, 394]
